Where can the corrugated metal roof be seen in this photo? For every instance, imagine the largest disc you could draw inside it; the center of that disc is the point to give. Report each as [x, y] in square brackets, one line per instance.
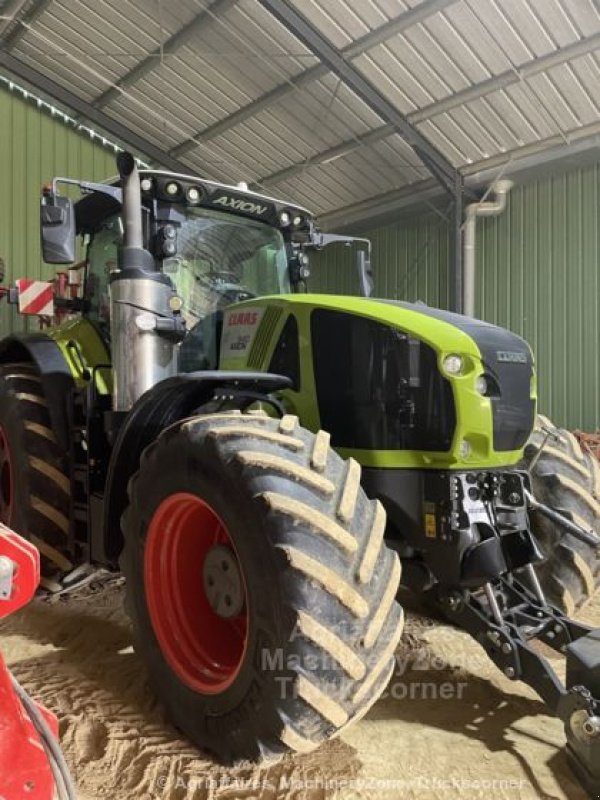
[234, 95]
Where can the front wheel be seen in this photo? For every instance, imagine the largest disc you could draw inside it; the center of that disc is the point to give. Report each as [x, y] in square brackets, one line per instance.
[261, 591]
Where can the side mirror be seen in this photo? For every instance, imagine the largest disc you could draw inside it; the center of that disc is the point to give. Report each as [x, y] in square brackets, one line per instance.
[365, 273]
[57, 218]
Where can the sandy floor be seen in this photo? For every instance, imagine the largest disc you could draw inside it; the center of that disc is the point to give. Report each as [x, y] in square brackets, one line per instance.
[451, 726]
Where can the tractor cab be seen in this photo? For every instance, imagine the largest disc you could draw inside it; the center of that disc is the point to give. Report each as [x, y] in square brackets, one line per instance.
[217, 244]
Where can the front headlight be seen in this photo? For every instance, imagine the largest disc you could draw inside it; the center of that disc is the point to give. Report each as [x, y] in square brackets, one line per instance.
[481, 384]
[454, 364]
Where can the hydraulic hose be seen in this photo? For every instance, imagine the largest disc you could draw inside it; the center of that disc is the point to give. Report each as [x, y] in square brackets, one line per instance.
[65, 785]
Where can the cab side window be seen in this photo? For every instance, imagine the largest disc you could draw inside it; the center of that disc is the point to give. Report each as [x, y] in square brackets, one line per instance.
[101, 260]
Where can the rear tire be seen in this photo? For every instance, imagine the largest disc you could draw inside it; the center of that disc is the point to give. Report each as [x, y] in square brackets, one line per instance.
[321, 621]
[35, 486]
[566, 479]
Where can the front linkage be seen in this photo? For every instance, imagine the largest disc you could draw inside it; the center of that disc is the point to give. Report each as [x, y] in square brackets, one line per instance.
[507, 630]
[501, 604]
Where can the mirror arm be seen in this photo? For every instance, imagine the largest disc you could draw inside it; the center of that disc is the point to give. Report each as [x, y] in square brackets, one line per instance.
[319, 241]
[87, 187]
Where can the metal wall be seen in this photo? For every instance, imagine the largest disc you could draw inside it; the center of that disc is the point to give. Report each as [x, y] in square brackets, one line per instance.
[34, 147]
[537, 274]
[410, 261]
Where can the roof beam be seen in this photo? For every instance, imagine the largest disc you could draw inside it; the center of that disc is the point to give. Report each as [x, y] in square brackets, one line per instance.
[61, 95]
[527, 159]
[305, 32]
[170, 47]
[326, 156]
[12, 12]
[508, 78]
[395, 26]
[25, 17]
[475, 92]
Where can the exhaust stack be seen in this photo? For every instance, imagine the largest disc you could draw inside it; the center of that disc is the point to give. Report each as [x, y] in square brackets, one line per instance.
[143, 326]
[132, 202]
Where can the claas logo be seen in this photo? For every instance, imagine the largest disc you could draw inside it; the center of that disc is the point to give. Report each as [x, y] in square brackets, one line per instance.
[243, 318]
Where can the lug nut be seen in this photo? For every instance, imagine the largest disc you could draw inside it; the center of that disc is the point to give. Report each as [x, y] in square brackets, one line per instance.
[591, 727]
[506, 648]
[509, 672]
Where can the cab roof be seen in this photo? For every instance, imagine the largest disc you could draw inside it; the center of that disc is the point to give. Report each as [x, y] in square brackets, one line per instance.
[179, 188]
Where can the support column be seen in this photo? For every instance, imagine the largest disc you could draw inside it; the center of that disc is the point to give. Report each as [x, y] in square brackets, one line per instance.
[455, 264]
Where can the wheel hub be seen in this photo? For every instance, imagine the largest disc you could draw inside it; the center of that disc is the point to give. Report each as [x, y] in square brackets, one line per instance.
[223, 583]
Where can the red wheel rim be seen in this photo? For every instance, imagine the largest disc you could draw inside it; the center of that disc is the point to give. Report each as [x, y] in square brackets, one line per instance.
[205, 650]
[6, 480]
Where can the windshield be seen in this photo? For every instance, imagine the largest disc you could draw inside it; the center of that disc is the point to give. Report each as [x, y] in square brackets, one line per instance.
[223, 259]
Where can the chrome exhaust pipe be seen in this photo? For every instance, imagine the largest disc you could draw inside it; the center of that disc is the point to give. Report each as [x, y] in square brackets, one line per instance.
[132, 201]
[140, 304]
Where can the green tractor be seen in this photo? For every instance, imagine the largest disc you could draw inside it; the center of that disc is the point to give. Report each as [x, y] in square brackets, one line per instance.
[262, 463]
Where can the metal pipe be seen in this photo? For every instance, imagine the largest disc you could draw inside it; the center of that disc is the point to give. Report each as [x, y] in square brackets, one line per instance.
[587, 537]
[132, 201]
[493, 604]
[487, 208]
[140, 299]
[535, 584]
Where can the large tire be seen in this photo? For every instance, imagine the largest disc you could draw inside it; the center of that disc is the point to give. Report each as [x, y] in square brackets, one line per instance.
[35, 487]
[320, 615]
[566, 479]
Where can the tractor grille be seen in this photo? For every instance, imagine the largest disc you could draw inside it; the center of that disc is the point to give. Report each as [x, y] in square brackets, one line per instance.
[264, 337]
[508, 360]
[513, 412]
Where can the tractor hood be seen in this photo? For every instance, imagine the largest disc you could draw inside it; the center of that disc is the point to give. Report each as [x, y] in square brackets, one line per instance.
[388, 379]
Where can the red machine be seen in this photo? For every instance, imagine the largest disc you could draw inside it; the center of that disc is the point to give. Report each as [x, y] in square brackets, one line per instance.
[25, 769]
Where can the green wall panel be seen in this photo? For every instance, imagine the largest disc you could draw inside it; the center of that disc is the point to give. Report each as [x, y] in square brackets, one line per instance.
[537, 274]
[407, 258]
[35, 147]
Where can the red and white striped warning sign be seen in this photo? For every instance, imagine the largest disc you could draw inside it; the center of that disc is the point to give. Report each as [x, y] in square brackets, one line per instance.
[35, 297]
